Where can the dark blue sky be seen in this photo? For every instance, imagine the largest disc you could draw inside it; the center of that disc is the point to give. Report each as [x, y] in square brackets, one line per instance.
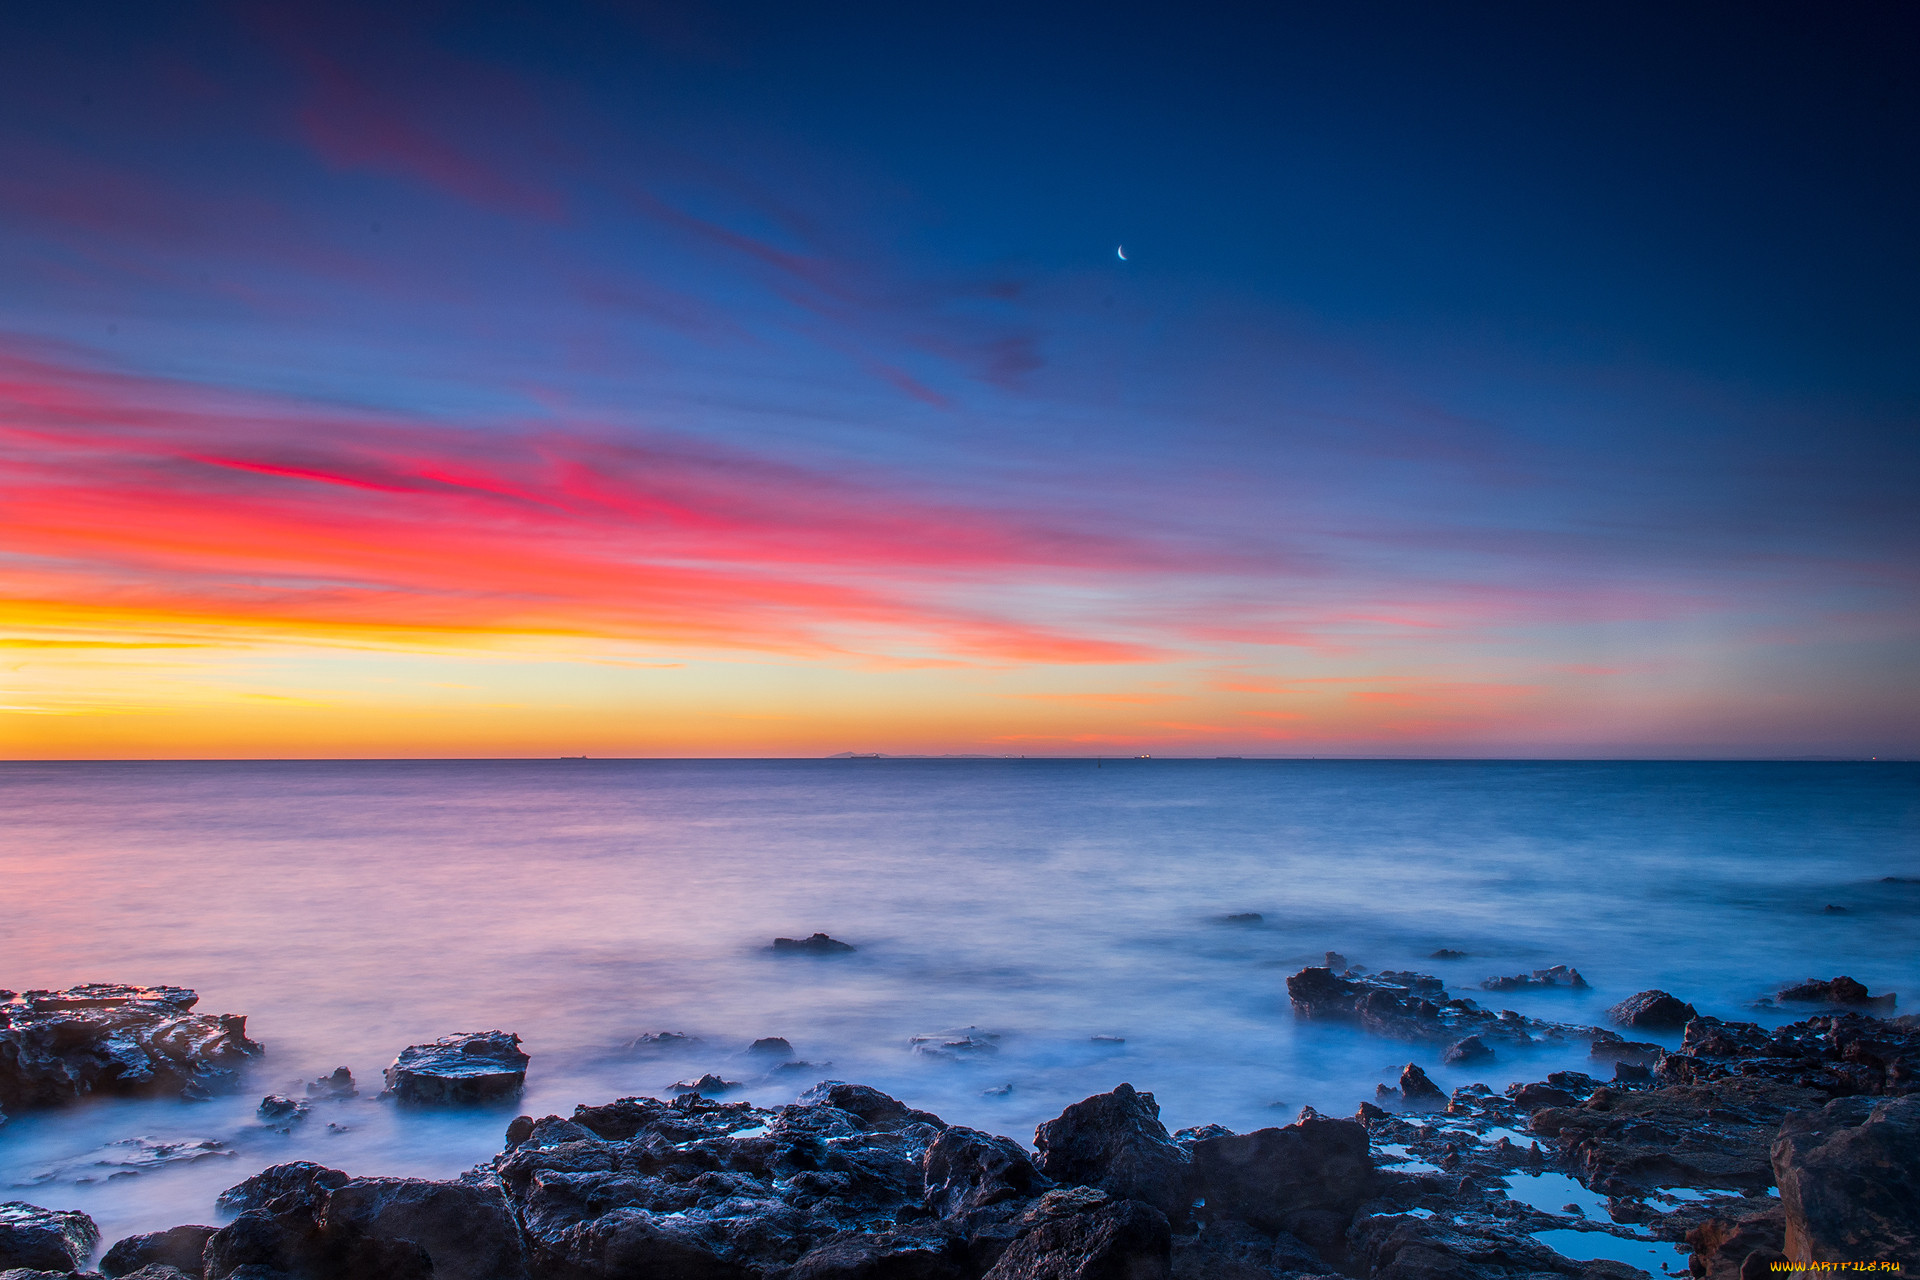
[1567, 351]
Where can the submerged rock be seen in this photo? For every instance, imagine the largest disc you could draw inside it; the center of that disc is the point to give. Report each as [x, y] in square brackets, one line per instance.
[818, 945]
[1557, 976]
[110, 1038]
[467, 1067]
[1839, 991]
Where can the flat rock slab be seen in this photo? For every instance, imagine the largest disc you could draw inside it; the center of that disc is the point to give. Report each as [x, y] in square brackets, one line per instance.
[114, 1039]
[467, 1067]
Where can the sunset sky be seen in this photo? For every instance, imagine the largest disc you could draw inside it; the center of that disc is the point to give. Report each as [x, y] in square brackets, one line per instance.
[764, 379]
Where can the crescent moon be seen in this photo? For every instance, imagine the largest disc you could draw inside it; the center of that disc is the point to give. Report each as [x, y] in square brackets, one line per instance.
[1122, 251]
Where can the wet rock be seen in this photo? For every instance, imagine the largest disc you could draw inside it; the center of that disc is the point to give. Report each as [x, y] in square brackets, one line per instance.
[467, 1067]
[967, 1042]
[708, 1085]
[1653, 1010]
[1196, 1133]
[1838, 991]
[1415, 1007]
[1609, 1047]
[1306, 1179]
[772, 1046]
[874, 1109]
[1849, 1177]
[1448, 953]
[465, 1229]
[1115, 1141]
[1416, 1090]
[1721, 1246]
[1557, 976]
[1394, 1247]
[1066, 1239]
[1467, 1052]
[660, 1041]
[1717, 1134]
[113, 1039]
[1631, 1073]
[283, 1111]
[180, 1247]
[1337, 962]
[1530, 1098]
[912, 1253]
[966, 1169]
[1243, 917]
[46, 1239]
[333, 1087]
[1839, 1054]
[818, 945]
[297, 1180]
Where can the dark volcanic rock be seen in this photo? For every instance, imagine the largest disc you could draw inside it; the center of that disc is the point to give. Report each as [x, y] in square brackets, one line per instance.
[46, 1239]
[1717, 1134]
[1558, 976]
[1610, 1047]
[108, 1038]
[708, 1084]
[873, 1108]
[1468, 1052]
[1115, 1141]
[1065, 1238]
[818, 945]
[773, 1046]
[179, 1247]
[1418, 1091]
[335, 1086]
[1530, 1098]
[1849, 1178]
[1306, 1179]
[465, 1228]
[912, 1253]
[1722, 1246]
[1839, 1054]
[300, 1180]
[1414, 1007]
[1654, 1010]
[1405, 1248]
[1841, 991]
[470, 1066]
[966, 1169]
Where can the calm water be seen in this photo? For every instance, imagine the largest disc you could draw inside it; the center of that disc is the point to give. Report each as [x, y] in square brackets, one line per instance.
[353, 908]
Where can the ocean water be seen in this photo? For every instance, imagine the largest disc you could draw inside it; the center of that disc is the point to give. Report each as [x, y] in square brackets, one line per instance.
[351, 909]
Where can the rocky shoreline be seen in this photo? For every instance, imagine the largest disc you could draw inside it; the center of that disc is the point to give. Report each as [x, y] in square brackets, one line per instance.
[1678, 1147]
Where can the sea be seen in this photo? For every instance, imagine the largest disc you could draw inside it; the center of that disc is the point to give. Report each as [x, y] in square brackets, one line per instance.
[1071, 924]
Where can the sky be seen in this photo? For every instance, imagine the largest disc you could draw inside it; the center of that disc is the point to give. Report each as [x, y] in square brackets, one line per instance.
[746, 379]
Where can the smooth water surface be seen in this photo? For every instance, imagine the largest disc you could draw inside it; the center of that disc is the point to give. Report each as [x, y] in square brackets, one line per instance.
[351, 909]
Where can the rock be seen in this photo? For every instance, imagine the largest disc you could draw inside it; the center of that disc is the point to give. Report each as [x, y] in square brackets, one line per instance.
[1558, 976]
[874, 1109]
[283, 1111]
[1117, 1239]
[966, 1169]
[1849, 1177]
[47, 1239]
[913, 1253]
[1467, 1052]
[1715, 1134]
[338, 1085]
[1243, 917]
[1417, 1090]
[1195, 1134]
[180, 1247]
[1415, 1007]
[466, 1229]
[299, 1180]
[968, 1042]
[1448, 953]
[109, 1038]
[1608, 1047]
[1721, 1246]
[1832, 910]
[1306, 1179]
[1840, 991]
[708, 1084]
[818, 945]
[1654, 1010]
[772, 1046]
[1530, 1098]
[467, 1067]
[1631, 1073]
[1337, 962]
[1115, 1141]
